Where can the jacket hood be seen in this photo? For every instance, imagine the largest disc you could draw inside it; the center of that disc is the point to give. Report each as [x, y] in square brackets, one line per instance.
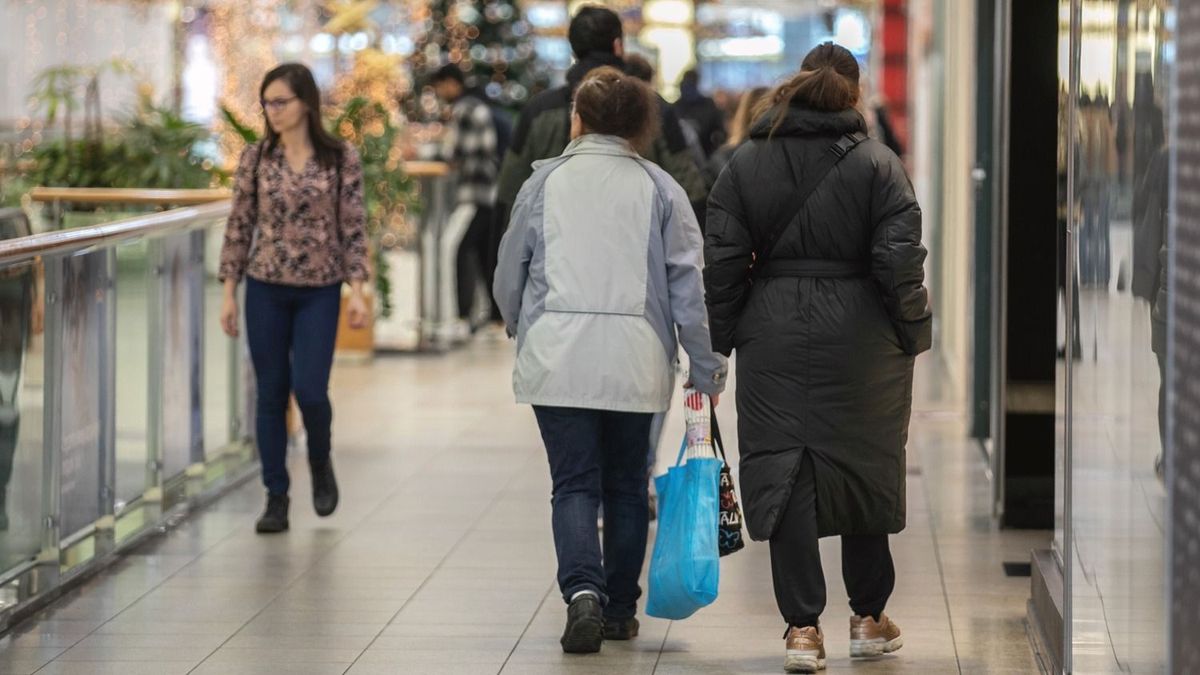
[589, 63]
[802, 121]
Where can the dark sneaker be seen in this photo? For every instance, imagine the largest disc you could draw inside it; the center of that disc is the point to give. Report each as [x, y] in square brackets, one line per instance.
[325, 489]
[275, 518]
[621, 629]
[585, 626]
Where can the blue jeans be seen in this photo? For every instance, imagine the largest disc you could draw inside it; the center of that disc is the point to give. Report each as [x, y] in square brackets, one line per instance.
[599, 456]
[291, 331]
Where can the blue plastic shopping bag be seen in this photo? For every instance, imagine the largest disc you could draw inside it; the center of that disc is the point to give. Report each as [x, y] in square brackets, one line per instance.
[685, 568]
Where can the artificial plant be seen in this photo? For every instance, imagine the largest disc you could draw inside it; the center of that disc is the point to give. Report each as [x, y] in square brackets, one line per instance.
[150, 147]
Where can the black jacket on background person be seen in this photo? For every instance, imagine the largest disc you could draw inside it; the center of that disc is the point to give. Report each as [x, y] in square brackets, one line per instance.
[824, 363]
[544, 131]
[1151, 217]
[702, 113]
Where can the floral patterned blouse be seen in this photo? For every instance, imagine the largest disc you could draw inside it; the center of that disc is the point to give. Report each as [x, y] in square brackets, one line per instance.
[294, 237]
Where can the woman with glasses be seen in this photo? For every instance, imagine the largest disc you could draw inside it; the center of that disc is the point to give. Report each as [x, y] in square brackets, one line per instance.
[297, 233]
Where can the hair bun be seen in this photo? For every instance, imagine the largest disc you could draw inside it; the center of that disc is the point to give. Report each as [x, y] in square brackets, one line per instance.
[612, 103]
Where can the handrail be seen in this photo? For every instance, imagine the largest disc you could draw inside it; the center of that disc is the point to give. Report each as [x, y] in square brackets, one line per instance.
[75, 239]
[129, 196]
[158, 197]
[417, 169]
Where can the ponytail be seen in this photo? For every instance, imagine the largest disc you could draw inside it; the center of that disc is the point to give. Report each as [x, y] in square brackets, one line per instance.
[827, 82]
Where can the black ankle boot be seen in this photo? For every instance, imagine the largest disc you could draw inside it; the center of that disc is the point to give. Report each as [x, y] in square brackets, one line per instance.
[275, 518]
[585, 626]
[325, 489]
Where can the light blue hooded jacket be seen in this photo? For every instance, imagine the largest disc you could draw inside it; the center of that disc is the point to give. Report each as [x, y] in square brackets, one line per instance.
[599, 278]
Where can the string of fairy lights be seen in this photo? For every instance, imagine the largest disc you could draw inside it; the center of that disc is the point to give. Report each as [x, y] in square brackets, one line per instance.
[243, 33]
[245, 38]
[380, 43]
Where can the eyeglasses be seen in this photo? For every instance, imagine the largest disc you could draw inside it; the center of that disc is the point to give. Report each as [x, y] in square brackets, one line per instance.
[276, 104]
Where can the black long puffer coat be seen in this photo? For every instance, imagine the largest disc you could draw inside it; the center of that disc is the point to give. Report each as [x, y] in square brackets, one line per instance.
[824, 362]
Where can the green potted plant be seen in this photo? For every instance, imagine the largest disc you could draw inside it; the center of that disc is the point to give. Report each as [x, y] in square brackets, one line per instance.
[149, 147]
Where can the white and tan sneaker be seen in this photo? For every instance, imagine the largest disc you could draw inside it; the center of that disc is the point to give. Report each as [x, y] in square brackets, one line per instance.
[874, 638]
[805, 650]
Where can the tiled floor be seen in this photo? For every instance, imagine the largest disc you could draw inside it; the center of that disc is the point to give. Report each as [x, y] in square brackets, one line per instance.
[440, 561]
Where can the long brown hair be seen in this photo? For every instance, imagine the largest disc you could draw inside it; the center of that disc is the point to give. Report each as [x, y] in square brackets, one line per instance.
[827, 82]
[743, 119]
[327, 149]
[613, 103]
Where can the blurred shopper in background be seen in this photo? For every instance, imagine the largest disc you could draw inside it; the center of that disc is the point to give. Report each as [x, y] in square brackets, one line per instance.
[597, 39]
[701, 113]
[470, 145]
[879, 121]
[739, 133]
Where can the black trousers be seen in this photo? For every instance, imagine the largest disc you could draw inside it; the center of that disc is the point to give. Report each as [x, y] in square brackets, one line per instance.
[476, 260]
[867, 565]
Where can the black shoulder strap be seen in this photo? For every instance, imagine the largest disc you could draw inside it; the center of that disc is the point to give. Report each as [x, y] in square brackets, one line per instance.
[716, 431]
[828, 159]
[257, 162]
[337, 195]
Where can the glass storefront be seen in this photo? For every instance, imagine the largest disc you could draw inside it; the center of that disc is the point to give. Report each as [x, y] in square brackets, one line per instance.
[1115, 72]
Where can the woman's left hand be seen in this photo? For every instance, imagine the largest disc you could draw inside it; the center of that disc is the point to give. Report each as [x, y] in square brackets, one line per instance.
[356, 311]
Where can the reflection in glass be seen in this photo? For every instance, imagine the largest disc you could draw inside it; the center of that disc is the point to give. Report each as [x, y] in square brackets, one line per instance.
[218, 350]
[1119, 213]
[178, 344]
[21, 331]
[80, 281]
[133, 350]
[1097, 167]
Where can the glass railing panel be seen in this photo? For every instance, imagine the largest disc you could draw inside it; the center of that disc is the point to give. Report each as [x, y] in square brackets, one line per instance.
[133, 473]
[176, 318]
[80, 315]
[120, 399]
[220, 351]
[22, 382]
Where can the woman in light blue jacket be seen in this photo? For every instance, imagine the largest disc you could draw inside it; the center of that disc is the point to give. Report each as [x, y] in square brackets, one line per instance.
[599, 278]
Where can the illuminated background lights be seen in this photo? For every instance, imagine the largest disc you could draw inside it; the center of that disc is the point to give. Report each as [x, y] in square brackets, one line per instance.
[669, 29]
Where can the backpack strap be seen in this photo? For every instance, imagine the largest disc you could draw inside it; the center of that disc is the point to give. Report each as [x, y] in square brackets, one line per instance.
[337, 192]
[257, 162]
[824, 164]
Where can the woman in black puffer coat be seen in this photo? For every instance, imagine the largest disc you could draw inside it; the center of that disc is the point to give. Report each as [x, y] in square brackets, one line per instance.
[826, 333]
